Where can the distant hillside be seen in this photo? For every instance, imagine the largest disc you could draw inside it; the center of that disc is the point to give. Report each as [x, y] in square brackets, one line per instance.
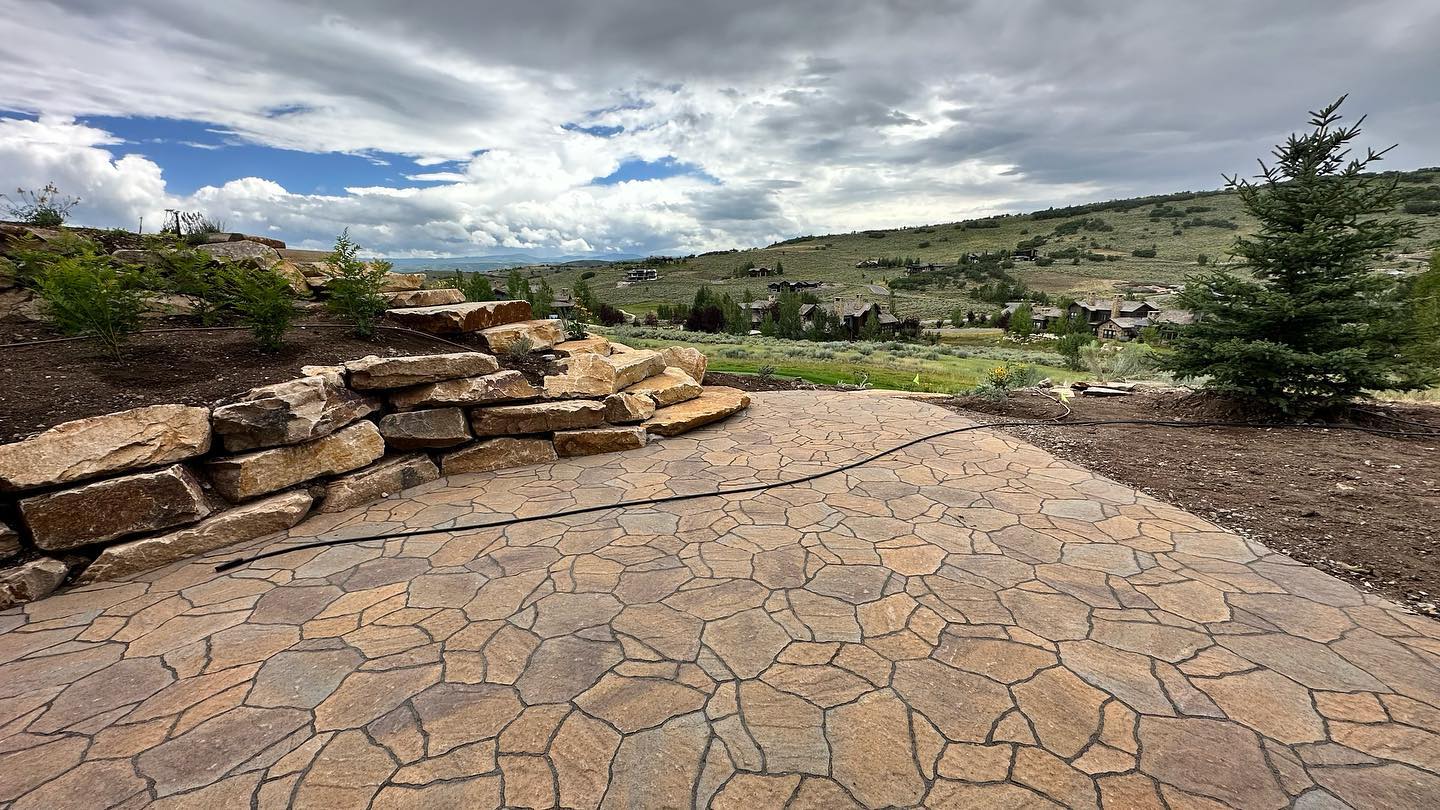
[504, 261]
[1177, 227]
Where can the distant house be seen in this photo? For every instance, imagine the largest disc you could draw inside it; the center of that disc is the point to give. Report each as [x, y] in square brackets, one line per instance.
[1168, 322]
[868, 263]
[1095, 311]
[792, 286]
[759, 272]
[563, 305]
[1040, 316]
[914, 269]
[1026, 255]
[638, 274]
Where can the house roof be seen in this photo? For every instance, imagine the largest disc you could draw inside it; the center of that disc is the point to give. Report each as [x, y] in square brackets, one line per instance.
[1129, 323]
[1177, 316]
[1097, 305]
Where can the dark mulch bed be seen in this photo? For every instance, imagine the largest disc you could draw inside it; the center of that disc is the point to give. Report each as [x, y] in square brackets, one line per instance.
[752, 382]
[46, 384]
[1362, 507]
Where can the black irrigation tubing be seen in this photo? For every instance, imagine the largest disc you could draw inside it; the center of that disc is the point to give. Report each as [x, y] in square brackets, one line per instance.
[586, 510]
[166, 330]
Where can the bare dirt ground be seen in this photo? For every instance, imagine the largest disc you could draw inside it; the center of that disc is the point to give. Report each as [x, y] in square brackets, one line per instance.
[1363, 507]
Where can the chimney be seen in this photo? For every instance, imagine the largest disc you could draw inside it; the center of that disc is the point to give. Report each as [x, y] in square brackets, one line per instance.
[1115, 307]
[838, 310]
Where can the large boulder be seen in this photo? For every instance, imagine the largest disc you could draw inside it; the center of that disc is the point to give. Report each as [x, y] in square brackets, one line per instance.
[498, 454]
[116, 507]
[504, 386]
[590, 344]
[373, 372]
[274, 514]
[103, 445]
[426, 298]
[537, 417]
[670, 387]
[9, 541]
[289, 413]
[715, 404]
[432, 428]
[688, 360]
[628, 409]
[449, 319]
[401, 282]
[241, 478]
[293, 276]
[243, 251]
[381, 480]
[538, 335]
[589, 442]
[30, 581]
[591, 375]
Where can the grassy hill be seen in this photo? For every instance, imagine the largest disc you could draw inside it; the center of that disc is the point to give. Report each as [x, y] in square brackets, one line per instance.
[1179, 227]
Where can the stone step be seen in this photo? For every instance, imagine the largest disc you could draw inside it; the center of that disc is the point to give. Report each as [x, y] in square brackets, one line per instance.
[591, 375]
[670, 387]
[453, 319]
[714, 404]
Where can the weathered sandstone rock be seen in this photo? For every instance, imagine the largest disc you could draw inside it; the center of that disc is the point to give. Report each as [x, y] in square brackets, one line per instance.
[449, 319]
[289, 413]
[220, 238]
[541, 334]
[435, 427]
[591, 344]
[426, 298]
[628, 409]
[402, 372]
[240, 478]
[293, 276]
[570, 443]
[401, 282]
[688, 360]
[670, 387]
[335, 375]
[30, 581]
[9, 541]
[498, 454]
[504, 386]
[536, 417]
[99, 445]
[257, 519]
[253, 252]
[378, 481]
[116, 507]
[590, 375]
[715, 404]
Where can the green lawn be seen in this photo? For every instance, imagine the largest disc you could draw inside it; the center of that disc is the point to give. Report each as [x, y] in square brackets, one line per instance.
[893, 366]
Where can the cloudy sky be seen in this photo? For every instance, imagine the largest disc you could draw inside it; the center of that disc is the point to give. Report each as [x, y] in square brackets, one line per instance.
[638, 126]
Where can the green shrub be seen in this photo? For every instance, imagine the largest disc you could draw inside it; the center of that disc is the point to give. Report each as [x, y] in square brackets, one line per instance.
[520, 349]
[1144, 253]
[46, 207]
[191, 273]
[84, 295]
[1202, 259]
[355, 289]
[265, 302]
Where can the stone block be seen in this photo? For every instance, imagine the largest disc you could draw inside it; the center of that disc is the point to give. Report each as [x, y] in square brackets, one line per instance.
[569, 443]
[591, 375]
[628, 409]
[31, 580]
[434, 427]
[449, 319]
[243, 251]
[716, 403]
[504, 386]
[369, 373]
[536, 417]
[247, 522]
[401, 282]
[426, 298]
[591, 344]
[104, 445]
[670, 387]
[115, 507]
[688, 360]
[389, 476]
[498, 454]
[289, 413]
[9, 541]
[542, 335]
[241, 478]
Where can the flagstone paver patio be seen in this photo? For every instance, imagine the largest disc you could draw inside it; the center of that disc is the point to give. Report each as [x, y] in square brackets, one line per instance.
[969, 623]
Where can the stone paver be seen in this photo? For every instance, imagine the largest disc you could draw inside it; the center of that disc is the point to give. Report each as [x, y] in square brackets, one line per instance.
[967, 623]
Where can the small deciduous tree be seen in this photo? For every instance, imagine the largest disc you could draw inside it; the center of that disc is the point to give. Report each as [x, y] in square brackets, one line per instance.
[84, 295]
[265, 302]
[1311, 328]
[1022, 321]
